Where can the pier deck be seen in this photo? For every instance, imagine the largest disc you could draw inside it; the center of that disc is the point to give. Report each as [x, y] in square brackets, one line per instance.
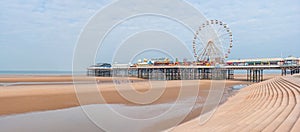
[254, 73]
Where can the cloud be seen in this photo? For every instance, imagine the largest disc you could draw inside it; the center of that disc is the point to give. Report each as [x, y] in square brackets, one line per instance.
[41, 34]
[260, 28]
[36, 32]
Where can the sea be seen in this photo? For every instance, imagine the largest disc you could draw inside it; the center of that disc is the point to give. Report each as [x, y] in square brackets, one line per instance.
[265, 71]
[84, 72]
[40, 72]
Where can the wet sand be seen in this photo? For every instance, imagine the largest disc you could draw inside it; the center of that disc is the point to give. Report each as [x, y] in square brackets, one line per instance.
[28, 98]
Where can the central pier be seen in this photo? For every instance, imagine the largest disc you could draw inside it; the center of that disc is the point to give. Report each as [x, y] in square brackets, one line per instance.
[254, 73]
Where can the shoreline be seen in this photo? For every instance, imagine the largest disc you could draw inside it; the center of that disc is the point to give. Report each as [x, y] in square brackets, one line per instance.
[22, 98]
[32, 99]
[27, 101]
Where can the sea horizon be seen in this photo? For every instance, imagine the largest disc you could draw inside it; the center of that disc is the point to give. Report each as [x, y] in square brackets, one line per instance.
[39, 72]
[65, 72]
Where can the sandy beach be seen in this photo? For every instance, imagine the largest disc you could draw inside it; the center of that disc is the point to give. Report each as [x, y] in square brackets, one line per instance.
[30, 94]
[34, 98]
[17, 99]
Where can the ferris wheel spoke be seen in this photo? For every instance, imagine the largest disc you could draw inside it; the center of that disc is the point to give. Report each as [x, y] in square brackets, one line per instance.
[212, 41]
[222, 35]
[219, 29]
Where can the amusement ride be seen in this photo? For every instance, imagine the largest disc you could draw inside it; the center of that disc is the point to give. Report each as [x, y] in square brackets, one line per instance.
[212, 43]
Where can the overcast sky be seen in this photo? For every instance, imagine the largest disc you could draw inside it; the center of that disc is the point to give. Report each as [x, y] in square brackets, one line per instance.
[42, 34]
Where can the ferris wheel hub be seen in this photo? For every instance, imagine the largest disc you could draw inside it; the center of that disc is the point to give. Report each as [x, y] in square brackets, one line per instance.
[212, 42]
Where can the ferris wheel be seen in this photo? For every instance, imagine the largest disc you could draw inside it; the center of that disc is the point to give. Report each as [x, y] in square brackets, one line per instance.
[212, 42]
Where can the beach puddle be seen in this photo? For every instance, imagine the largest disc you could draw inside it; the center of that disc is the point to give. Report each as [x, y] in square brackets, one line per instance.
[135, 118]
[120, 117]
[238, 87]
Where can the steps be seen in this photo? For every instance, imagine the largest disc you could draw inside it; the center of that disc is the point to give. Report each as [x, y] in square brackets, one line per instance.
[272, 105]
